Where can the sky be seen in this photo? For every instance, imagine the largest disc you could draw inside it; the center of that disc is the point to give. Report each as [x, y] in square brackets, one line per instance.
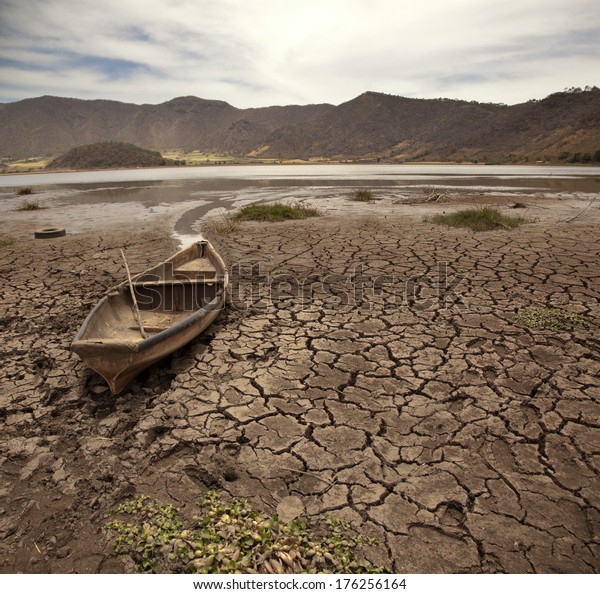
[279, 52]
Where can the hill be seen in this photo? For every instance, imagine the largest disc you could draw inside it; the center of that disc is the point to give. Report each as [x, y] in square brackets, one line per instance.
[102, 155]
[370, 126]
[385, 126]
[48, 126]
[379, 126]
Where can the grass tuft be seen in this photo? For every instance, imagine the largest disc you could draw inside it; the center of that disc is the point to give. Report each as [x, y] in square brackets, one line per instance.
[231, 537]
[362, 196]
[550, 318]
[479, 219]
[30, 205]
[25, 191]
[221, 225]
[276, 212]
[5, 242]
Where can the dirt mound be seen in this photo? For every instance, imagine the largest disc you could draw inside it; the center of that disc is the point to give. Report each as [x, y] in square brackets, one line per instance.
[103, 155]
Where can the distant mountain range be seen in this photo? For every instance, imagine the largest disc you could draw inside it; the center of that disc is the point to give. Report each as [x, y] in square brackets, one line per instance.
[371, 126]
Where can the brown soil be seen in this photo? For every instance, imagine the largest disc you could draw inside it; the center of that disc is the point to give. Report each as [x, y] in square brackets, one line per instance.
[415, 406]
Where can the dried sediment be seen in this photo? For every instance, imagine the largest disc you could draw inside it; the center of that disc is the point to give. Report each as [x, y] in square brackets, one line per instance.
[371, 367]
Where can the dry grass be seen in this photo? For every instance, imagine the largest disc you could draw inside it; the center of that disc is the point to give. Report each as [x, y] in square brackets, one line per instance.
[478, 219]
[276, 212]
[23, 165]
[30, 205]
[362, 196]
[221, 225]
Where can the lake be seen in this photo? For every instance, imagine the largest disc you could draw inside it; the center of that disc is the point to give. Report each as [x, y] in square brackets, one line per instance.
[545, 177]
[185, 194]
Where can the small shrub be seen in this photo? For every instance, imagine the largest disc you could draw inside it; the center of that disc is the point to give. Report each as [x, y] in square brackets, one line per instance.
[30, 205]
[25, 191]
[5, 242]
[479, 219]
[231, 537]
[362, 196]
[276, 212]
[549, 318]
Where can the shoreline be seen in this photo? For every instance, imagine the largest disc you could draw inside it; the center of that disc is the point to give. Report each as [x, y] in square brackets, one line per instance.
[185, 217]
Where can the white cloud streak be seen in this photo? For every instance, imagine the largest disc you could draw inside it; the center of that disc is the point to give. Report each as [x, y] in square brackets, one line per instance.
[272, 51]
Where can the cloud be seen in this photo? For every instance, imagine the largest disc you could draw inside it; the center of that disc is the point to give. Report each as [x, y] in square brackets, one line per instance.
[269, 52]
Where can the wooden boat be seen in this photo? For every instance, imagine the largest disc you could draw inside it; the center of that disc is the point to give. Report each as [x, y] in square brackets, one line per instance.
[176, 300]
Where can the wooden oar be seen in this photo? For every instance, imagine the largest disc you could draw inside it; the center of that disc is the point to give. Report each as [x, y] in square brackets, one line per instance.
[136, 309]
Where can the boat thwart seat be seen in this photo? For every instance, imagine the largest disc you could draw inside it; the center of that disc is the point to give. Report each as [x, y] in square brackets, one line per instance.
[198, 268]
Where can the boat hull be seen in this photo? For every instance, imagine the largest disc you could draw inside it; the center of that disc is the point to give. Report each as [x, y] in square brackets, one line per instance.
[118, 353]
[120, 362]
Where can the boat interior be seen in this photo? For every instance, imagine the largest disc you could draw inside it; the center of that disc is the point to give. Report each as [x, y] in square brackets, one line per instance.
[165, 295]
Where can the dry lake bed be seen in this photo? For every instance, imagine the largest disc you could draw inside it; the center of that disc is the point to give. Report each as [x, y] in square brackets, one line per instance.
[370, 363]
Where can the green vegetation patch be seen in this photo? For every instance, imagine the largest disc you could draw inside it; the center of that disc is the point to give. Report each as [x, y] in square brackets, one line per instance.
[549, 318]
[30, 205]
[479, 219]
[276, 212]
[231, 537]
[362, 196]
[5, 242]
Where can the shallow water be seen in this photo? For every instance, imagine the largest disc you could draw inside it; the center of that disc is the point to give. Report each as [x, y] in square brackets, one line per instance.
[186, 194]
[298, 171]
[331, 172]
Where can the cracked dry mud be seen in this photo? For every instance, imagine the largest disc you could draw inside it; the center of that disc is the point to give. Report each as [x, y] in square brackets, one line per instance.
[351, 370]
